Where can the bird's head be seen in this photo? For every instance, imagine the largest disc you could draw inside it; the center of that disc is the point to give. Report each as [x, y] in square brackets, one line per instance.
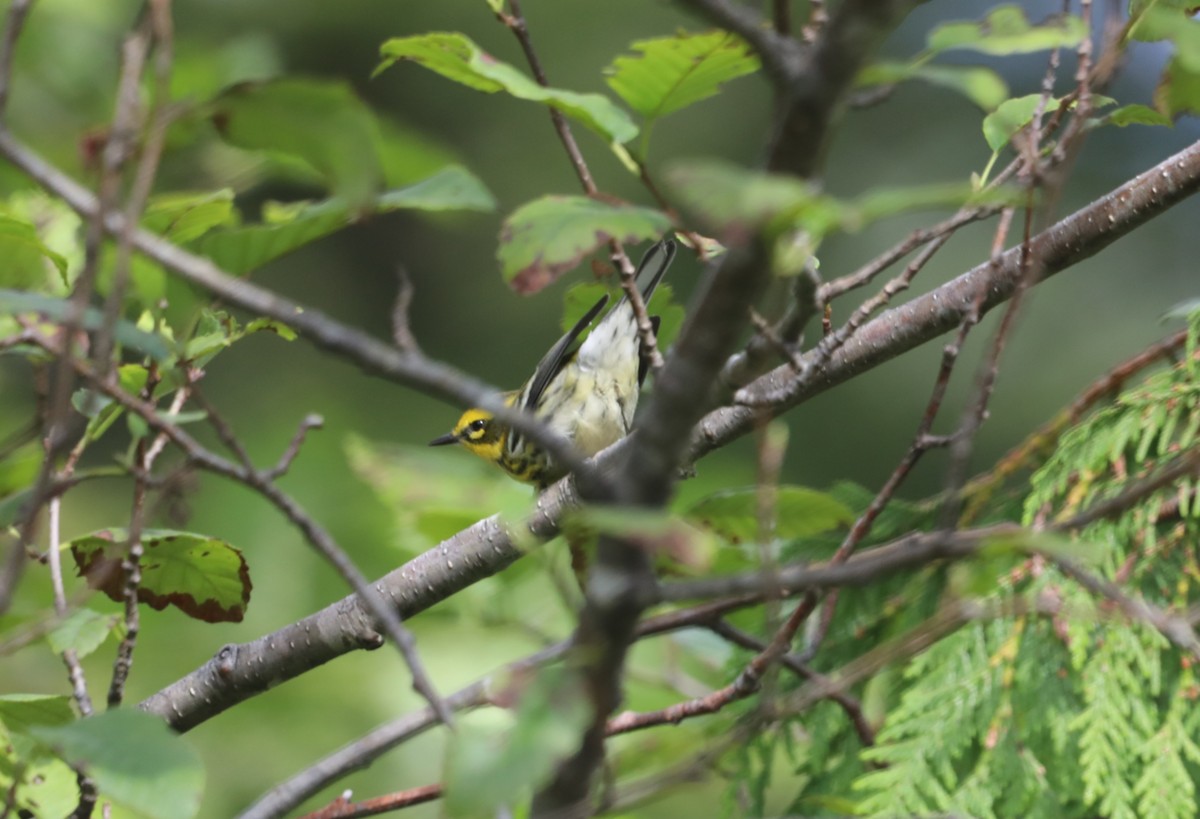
[479, 432]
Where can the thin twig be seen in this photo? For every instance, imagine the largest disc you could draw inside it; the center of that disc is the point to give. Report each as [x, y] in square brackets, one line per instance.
[131, 562]
[280, 469]
[362, 752]
[783, 338]
[257, 480]
[831, 343]
[159, 32]
[922, 442]
[79, 690]
[1175, 628]
[649, 344]
[900, 329]
[401, 331]
[17, 11]
[1186, 465]
[865, 274]
[851, 705]
[343, 808]
[979, 489]
[385, 360]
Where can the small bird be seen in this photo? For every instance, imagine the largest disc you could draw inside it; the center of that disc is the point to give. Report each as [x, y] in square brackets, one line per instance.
[587, 394]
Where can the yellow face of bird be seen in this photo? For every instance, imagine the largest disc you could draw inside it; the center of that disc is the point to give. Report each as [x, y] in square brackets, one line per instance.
[479, 432]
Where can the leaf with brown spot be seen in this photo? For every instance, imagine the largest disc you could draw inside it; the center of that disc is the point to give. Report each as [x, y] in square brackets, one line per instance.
[547, 237]
[205, 578]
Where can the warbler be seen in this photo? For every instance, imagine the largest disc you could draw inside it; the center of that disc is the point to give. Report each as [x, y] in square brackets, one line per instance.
[586, 393]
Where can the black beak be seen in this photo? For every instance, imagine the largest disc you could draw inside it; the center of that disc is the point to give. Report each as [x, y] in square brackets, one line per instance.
[448, 438]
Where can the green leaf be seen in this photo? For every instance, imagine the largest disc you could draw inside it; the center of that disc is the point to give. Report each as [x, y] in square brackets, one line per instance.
[11, 506]
[736, 201]
[800, 512]
[488, 768]
[44, 788]
[408, 156]
[1155, 20]
[543, 239]
[1137, 115]
[25, 256]
[1182, 310]
[287, 228]
[135, 760]
[20, 714]
[58, 233]
[1013, 115]
[320, 122]
[456, 57]
[185, 217]
[427, 492]
[216, 331]
[1178, 90]
[84, 630]
[674, 72]
[203, 577]
[126, 333]
[100, 410]
[1005, 31]
[980, 85]
[451, 188]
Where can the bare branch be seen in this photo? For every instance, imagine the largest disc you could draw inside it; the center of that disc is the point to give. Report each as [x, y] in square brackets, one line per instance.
[1175, 628]
[1068, 242]
[17, 11]
[622, 582]
[280, 469]
[377, 358]
[343, 808]
[649, 342]
[360, 753]
[401, 331]
[979, 489]
[382, 613]
[865, 274]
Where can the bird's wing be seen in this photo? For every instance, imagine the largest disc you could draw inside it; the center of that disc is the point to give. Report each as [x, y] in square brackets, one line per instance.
[653, 265]
[551, 365]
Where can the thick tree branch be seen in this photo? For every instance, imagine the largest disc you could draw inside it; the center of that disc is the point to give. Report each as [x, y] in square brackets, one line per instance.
[1068, 242]
[362, 752]
[238, 672]
[622, 582]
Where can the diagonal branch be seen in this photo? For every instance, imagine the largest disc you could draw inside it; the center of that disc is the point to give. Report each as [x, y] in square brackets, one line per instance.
[240, 671]
[1068, 242]
[406, 367]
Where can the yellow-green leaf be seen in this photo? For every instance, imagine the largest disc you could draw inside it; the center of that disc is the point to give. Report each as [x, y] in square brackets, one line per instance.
[456, 57]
